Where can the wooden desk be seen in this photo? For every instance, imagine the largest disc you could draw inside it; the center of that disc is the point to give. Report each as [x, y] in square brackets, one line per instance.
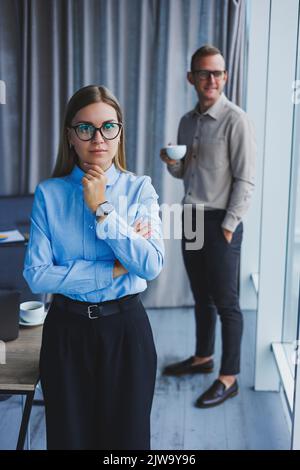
[20, 374]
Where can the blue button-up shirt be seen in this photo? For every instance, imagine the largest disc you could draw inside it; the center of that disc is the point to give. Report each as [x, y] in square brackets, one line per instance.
[70, 254]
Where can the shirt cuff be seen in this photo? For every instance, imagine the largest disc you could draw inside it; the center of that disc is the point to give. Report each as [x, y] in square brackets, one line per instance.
[230, 222]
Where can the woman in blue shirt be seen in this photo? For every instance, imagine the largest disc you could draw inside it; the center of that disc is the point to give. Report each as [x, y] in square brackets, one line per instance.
[95, 240]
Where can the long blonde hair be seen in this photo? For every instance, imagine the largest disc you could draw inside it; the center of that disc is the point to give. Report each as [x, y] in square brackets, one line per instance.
[67, 158]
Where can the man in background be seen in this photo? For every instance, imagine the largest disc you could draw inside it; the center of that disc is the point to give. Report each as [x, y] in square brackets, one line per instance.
[218, 172]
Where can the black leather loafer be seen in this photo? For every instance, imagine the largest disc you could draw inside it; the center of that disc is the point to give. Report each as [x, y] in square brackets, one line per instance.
[187, 367]
[217, 394]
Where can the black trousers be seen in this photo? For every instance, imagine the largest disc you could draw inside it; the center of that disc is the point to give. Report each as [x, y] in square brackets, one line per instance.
[213, 273]
[98, 379]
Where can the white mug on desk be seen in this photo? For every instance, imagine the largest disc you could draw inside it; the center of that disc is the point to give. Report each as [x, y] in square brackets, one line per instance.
[32, 311]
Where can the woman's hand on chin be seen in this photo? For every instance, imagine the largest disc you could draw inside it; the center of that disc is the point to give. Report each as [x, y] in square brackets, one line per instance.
[94, 185]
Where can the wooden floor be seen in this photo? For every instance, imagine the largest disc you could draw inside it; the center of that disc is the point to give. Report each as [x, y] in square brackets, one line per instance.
[252, 420]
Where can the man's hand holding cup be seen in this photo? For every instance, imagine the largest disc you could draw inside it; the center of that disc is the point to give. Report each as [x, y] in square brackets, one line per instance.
[172, 153]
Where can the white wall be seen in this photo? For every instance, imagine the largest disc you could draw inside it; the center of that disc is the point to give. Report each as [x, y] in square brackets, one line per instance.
[272, 110]
[258, 11]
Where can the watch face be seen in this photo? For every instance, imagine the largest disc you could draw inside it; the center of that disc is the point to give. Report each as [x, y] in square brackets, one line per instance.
[107, 208]
[104, 209]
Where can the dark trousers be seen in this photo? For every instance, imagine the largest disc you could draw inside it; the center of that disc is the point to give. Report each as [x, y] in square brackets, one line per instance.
[213, 272]
[98, 379]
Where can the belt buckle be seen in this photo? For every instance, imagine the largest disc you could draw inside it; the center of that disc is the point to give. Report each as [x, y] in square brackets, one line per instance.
[90, 311]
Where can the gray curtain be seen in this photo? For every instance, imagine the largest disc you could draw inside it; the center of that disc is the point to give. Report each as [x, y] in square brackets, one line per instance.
[141, 50]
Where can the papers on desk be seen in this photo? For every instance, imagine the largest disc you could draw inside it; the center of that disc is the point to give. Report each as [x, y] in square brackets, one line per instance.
[11, 236]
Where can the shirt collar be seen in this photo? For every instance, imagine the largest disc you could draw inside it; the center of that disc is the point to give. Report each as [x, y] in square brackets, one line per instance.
[77, 174]
[215, 110]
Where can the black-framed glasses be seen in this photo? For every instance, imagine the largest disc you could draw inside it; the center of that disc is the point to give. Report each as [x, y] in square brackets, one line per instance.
[205, 74]
[86, 131]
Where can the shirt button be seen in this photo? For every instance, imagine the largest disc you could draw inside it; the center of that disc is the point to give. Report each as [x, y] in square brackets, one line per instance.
[194, 156]
[189, 193]
[91, 227]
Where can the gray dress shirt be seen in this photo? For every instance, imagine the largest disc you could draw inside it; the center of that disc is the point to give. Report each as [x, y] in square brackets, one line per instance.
[218, 168]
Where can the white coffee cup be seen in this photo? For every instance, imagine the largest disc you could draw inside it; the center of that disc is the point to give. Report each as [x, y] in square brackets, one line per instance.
[176, 152]
[32, 311]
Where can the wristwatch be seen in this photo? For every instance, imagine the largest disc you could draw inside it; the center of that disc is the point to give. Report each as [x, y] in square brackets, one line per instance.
[104, 209]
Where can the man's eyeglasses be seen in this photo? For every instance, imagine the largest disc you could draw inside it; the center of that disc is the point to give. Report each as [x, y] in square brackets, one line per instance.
[205, 74]
[86, 131]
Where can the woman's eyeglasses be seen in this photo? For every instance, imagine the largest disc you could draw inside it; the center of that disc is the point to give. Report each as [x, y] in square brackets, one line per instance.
[86, 131]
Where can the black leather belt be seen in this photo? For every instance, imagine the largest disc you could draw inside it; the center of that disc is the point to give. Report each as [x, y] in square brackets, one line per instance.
[96, 310]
